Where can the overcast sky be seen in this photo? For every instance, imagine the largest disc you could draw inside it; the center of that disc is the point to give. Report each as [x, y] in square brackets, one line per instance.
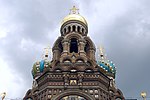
[121, 26]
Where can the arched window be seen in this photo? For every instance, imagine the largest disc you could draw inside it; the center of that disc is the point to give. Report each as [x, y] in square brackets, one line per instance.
[60, 47]
[78, 28]
[87, 47]
[65, 30]
[74, 45]
[69, 29]
[74, 28]
[82, 30]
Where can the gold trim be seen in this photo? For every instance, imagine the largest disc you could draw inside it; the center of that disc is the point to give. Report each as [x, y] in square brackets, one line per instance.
[76, 17]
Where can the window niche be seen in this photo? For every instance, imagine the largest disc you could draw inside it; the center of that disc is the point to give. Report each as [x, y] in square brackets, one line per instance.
[60, 47]
[87, 47]
[69, 29]
[78, 29]
[73, 45]
[65, 30]
[82, 30]
[74, 28]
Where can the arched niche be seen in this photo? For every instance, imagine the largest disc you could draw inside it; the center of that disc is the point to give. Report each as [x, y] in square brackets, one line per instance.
[73, 28]
[90, 43]
[72, 35]
[89, 48]
[57, 42]
[74, 45]
[57, 48]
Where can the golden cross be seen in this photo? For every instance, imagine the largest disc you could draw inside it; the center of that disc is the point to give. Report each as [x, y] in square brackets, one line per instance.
[74, 10]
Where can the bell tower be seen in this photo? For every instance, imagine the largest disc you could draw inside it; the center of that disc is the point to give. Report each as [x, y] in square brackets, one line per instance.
[73, 73]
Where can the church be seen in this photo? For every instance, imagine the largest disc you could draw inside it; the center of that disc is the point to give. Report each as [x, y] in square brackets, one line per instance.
[73, 73]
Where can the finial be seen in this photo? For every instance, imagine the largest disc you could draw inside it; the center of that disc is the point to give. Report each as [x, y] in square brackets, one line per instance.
[101, 51]
[46, 53]
[74, 10]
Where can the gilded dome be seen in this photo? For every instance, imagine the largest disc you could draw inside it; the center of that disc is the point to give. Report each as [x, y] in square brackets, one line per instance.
[74, 17]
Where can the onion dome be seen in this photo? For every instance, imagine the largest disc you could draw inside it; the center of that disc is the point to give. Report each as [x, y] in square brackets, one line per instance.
[40, 66]
[107, 66]
[74, 16]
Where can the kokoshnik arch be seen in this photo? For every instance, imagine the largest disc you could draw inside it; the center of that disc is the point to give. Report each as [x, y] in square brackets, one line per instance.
[74, 73]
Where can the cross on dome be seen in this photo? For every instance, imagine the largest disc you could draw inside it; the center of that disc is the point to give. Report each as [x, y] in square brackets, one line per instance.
[74, 10]
[102, 53]
[45, 55]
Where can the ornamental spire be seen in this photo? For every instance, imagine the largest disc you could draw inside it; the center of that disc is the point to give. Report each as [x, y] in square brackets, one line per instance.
[47, 52]
[102, 53]
[74, 10]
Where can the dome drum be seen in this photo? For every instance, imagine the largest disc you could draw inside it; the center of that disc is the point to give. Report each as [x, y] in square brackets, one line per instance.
[74, 22]
[74, 26]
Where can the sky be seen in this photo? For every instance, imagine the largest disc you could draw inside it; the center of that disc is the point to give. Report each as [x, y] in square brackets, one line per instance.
[121, 26]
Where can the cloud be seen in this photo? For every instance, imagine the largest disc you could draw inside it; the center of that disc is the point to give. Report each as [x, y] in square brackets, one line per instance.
[122, 27]
[26, 28]
[10, 79]
[125, 35]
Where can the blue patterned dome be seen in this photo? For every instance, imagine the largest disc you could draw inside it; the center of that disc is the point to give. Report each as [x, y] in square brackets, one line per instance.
[39, 67]
[108, 67]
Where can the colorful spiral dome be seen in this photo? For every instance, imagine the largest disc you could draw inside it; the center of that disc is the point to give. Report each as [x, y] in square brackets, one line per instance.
[108, 67]
[39, 67]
